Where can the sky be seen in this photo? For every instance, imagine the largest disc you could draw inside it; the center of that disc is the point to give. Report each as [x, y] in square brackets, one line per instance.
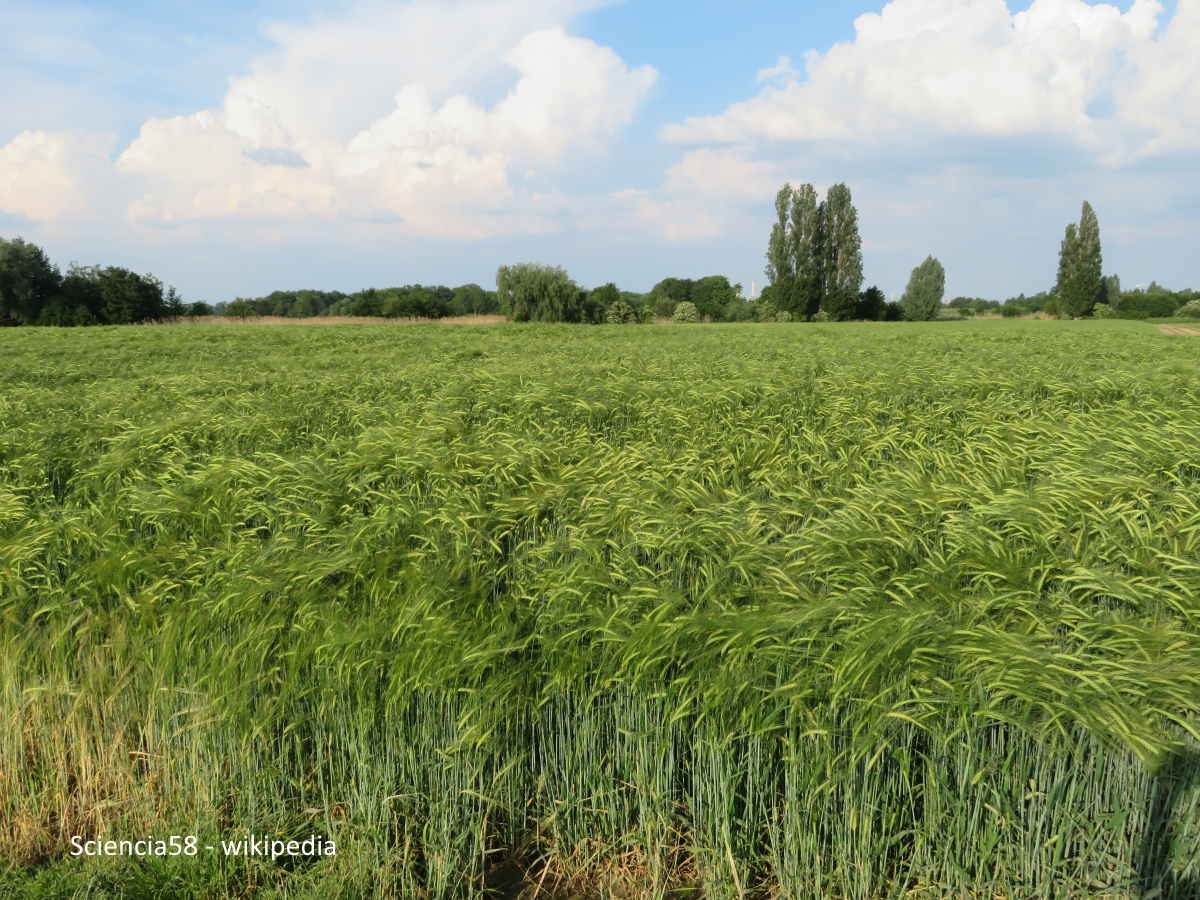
[232, 149]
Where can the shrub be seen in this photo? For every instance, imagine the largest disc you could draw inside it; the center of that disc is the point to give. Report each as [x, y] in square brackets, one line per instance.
[767, 312]
[822, 316]
[783, 316]
[1102, 311]
[1152, 303]
[686, 312]
[242, 309]
[621, 313]
[1191, 309]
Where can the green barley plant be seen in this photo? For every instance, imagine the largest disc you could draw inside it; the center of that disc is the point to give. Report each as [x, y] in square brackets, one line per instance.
[685, 312]
[540, 611]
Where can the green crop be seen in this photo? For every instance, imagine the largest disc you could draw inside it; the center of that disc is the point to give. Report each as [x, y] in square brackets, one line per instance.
[828, 611]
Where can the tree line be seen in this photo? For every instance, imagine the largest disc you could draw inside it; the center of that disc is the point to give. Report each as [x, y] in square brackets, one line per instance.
[35, 292]
[814, 273]
[814, 267]
[1080, 288]
[1151, 302]
[531, 292]
[411, 301]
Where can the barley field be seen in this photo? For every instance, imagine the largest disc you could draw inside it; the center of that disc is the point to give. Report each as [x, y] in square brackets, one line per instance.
[787, 611]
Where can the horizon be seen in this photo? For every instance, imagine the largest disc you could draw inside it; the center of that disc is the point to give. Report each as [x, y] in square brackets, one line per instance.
[342, 146]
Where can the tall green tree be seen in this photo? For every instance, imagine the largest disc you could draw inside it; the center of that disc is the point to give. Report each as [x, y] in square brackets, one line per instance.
[128, 297]
[870, 304]
[530, 292]
[472, 300]
[804, 243]
[1112, 292]
[1080, 281]
[841, 249]
[1088, 282]
[605, 297]
[781, 263]
[923, 297]
[28, 281]
[712, 296]
[173, 305]
[1068, 255]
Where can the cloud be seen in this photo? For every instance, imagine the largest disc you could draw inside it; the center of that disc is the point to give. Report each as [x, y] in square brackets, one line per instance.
[572, 95]
[782, 69]
[1162, 99]
[709, 192]
[723, 173]
[972, 68]
[192, 168]
[53, 176]
[329, 78]
[377, 115]
[668, 216]
[698, 200]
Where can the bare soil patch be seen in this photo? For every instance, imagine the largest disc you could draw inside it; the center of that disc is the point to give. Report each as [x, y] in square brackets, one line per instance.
[1179, 329]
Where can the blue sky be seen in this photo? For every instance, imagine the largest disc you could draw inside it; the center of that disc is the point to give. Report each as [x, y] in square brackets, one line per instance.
[232, 149]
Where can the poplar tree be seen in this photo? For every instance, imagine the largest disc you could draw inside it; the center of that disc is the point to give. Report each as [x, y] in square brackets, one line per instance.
[805, 247]
[781, 270]
[1088, 281]
[1112, 292]
[1067, 251]
[841, 254]
[1080, 280]
[814, 254]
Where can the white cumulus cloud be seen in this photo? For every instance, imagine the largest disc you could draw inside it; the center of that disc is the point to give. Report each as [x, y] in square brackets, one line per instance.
[379, 114]
[572, 95]
[53, 176]
[1106, 81]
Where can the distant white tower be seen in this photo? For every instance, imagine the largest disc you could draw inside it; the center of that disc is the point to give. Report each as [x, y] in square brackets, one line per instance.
[753, 290]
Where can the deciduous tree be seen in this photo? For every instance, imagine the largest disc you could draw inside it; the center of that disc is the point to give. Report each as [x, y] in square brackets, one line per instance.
[606, 297]
[712, 295]
[668, 293]
[923, 297]
[870, 304]
[805, 248]
[530, 292]
[841, 252]
[27, 281]
[781, 263]
[1080, 283]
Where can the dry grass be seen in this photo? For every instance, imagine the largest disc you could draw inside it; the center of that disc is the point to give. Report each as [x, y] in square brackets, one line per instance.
[341, 320]
[1179, 329]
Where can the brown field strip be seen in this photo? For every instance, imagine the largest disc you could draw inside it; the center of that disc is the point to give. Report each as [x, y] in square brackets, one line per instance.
[1179, 329]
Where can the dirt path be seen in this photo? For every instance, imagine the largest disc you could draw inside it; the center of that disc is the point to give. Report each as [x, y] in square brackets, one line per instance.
[1179, 329]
